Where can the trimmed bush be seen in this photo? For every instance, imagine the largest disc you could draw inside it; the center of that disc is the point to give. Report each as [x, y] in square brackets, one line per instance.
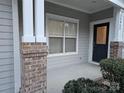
[113, 70]
[85, 86]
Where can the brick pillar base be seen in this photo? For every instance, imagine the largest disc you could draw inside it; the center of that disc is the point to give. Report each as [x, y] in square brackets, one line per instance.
[116, 49]
[34, 62]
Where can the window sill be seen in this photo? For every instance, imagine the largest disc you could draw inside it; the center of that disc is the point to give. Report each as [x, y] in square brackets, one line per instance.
[62, 54]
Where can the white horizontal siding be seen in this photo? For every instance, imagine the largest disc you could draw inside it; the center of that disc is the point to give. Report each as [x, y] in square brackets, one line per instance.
[5, 15]
[6, 35]
[6, 61]
[4, 76]
[5, 22]
[6, 86]
[6, 68]
[6, 29]
[10, 90]
[6, 47]
[6, 42]
[4, 55]
[6, 2]
[5, 8]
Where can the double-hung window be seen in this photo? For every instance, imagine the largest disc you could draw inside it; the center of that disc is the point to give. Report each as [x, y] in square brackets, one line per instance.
[62, 35]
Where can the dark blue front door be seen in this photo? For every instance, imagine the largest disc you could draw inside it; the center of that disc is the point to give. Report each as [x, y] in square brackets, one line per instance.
[100, 42]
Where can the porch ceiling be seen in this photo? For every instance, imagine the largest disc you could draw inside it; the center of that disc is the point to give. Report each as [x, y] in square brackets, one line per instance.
[88, 6]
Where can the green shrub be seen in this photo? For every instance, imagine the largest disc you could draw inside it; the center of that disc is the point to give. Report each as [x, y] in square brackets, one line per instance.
[113, 70]
[85, 86]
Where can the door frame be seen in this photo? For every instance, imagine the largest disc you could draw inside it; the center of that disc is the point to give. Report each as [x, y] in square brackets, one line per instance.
[91, 35]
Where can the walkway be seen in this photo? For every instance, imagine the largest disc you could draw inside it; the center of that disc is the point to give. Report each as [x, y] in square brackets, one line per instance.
[59, 76]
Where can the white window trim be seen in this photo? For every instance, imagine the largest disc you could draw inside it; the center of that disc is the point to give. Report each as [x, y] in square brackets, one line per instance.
[67, 19]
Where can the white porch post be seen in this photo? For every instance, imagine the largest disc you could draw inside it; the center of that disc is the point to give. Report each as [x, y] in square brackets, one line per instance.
[119, 24]
[117, 49]
[39, 21]
[122, 24]
[28, 21]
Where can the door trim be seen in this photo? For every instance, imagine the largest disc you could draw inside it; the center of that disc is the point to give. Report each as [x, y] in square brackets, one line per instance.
[91, 38]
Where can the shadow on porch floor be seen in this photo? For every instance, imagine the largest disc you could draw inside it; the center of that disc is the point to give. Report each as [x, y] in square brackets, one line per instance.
[59, 76]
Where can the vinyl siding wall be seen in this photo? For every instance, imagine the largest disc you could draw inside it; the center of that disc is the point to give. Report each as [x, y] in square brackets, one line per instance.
[6, 48]
[107, 13]
[83, 40]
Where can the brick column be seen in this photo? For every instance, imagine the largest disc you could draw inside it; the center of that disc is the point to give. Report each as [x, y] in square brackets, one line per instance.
[34, 63]
[116, 49]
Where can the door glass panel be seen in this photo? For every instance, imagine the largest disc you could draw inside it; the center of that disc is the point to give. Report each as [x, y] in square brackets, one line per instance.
[101, 35]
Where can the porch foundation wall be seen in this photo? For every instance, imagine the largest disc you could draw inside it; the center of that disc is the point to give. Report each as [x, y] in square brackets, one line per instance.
[116, 50]
[34, 64]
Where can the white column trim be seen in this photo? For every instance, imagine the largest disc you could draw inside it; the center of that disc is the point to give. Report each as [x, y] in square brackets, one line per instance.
[118, 24]
[39, 21]
[117, 19]
[122, 24]
[28, 28]
[17, 62]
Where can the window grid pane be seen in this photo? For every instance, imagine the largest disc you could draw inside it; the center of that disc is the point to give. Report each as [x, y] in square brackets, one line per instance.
[70, 29]
[55, 28]
[55, 45]
[70, 45]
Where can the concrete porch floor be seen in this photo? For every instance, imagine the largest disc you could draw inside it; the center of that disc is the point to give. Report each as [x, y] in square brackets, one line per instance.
[57, 78]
